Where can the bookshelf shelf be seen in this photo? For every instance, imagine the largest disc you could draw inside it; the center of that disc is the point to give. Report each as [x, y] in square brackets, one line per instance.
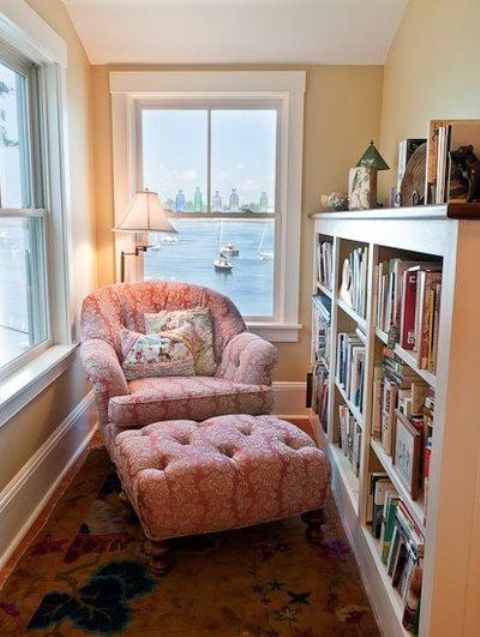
[355, 411]
[383, 336]
[345, 307]
[324, 290]
[450, 236]
[409, 359]
[349, 479]
[416, 507]
[394, 596]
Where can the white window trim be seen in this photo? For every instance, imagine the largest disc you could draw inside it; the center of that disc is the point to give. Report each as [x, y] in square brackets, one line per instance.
[288, 87]
[23, 29]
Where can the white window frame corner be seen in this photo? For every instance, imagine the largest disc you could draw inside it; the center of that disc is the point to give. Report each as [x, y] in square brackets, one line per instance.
[286, 87]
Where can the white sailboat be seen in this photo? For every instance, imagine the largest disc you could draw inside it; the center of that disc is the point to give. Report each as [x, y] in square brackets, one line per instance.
[221, 263]
[229, 249]
[264, 255]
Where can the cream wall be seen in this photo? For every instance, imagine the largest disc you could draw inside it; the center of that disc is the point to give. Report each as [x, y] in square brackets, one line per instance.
[342, 114]
[22, 436]
[431, 71]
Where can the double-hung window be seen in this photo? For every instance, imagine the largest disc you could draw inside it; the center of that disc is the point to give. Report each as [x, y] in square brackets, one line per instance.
[24, 315]
[36, 320]
[224, 153]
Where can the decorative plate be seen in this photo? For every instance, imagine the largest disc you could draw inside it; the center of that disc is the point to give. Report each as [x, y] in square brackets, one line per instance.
[412, 189]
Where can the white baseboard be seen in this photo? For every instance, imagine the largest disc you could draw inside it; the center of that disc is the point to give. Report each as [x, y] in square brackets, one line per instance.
[24, 497]
[289, 399]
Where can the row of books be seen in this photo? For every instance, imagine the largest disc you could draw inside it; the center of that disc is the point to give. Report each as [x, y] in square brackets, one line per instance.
[353, 289]
[350, 437]
[450, 145]
[402, 420]
[317, 392]
[408, 306]
[324, 261]
[402, 545]
[321, 320]
[351, 365]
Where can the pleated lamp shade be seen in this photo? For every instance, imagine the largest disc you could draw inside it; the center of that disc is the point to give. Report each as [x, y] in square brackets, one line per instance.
[145, 215]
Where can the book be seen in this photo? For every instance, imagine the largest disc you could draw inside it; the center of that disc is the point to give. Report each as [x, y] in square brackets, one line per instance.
[377, 402]
[391, 503]
[407, 318]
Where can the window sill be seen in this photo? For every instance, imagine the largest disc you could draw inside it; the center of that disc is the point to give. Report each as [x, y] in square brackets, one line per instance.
[276, 332]
[24, 384]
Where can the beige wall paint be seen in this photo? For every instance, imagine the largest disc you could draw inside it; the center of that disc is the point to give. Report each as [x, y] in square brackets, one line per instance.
[431, 71]
[342, 113]
[23, 434]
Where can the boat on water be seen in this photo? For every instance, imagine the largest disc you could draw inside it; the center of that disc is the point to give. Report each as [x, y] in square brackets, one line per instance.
[264, 255]
[230, 250]
[169, 239]
[222, 264]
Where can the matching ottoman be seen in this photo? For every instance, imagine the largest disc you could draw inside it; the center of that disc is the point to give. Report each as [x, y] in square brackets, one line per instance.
[186, 478]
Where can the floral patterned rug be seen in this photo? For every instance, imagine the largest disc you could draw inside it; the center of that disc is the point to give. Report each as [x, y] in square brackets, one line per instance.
[86, 574]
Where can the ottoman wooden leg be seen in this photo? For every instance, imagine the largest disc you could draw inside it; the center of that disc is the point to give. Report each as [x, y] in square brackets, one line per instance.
[314, 521]
[157, 553]
[129, 510]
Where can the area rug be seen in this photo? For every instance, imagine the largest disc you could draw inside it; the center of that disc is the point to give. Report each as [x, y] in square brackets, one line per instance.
[86, 574]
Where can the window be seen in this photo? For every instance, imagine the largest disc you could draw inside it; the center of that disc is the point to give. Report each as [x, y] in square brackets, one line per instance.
[23, 297]
[224, 152]
[214, 160]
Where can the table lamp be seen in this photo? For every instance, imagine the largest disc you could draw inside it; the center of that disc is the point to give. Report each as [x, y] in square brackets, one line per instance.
[146, 214]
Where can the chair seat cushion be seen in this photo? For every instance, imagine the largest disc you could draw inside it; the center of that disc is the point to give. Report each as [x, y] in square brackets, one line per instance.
[186, 478]
[195, 397]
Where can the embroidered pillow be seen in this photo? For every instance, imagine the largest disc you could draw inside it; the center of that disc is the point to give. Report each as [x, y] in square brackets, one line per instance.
[168, 353]
[201, 322]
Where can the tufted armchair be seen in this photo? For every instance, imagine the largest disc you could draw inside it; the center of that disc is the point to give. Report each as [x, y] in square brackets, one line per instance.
[242, 383]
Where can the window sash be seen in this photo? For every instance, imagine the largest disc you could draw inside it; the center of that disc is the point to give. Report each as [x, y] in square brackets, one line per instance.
[209, 106]
[32, 175]
[221, 103]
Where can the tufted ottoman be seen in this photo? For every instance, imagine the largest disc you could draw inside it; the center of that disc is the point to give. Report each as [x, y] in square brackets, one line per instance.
[188, 478]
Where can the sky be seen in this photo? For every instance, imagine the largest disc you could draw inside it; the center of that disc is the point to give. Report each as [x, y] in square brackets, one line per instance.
[243, 153]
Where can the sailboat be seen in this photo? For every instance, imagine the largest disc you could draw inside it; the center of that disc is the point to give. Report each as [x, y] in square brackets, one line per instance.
[264, 255]
[230, 249]
[221, 263]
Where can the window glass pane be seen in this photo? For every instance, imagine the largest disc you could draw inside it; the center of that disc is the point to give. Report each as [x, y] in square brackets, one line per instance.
[194, 256]
[175, 157]
[23, 314]
[14, 155]
[243, 160]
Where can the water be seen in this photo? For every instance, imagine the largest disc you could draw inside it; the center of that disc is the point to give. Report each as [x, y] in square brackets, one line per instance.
[249, 285]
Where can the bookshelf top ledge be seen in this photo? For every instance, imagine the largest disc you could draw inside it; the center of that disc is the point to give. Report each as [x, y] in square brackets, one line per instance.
[446, 211]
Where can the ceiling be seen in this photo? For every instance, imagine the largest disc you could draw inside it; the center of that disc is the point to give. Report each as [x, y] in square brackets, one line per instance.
[236, 31]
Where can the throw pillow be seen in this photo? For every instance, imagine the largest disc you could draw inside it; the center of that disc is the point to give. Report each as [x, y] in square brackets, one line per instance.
[201, 322]
[168, 353]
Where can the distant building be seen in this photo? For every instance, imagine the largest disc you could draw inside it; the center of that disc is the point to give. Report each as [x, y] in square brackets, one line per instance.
[180, 203]
[217, 204]
[197, 200]
[234, 201]
[263, 202]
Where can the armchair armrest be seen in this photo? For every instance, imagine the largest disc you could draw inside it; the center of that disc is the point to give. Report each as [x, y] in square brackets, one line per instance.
[104, 372]
[248, 359]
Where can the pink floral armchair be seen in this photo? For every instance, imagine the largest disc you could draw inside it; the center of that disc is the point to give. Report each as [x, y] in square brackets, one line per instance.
[242, 383]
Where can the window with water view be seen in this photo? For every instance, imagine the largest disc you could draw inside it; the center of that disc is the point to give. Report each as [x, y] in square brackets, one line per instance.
[215, 161]
[23, 311]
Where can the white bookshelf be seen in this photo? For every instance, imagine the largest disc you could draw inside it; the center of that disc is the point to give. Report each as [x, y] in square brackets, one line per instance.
[451, 579]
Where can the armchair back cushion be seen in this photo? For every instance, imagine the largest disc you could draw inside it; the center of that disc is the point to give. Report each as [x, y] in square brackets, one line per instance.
[108, 310]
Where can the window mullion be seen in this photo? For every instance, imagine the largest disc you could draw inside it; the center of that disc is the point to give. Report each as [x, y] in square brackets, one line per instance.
[209, 159]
